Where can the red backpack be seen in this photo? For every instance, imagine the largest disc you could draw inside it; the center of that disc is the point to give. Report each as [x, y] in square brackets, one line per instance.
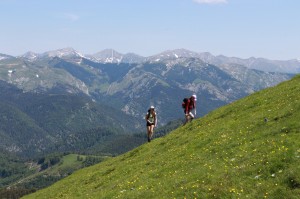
[185, 102]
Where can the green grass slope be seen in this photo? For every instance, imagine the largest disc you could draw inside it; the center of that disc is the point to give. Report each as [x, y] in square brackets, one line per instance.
[248, 149]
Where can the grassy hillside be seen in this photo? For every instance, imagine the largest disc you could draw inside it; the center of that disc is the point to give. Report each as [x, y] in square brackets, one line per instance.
[248, 149]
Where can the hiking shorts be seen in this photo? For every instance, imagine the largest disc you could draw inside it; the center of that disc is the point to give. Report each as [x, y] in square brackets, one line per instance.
[150, 123]
[189, 113]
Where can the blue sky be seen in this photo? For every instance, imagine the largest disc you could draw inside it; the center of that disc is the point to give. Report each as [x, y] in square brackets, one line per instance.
[239, 28]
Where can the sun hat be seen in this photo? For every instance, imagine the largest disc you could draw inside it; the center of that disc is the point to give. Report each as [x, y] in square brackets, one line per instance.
[195, 97]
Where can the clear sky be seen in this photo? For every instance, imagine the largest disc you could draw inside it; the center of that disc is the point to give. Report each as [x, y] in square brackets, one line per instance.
[239, 28]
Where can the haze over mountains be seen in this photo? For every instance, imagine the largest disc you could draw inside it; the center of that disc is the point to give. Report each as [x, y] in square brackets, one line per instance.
[112, 56]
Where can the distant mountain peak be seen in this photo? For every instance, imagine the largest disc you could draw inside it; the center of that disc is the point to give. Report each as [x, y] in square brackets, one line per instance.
[132, 58]
[173, 54]
[177, 53]
[64, 52]
[30, 55]
[108, 56]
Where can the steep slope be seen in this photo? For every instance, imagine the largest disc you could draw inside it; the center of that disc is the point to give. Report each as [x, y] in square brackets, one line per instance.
[19, 133]
[248, 149]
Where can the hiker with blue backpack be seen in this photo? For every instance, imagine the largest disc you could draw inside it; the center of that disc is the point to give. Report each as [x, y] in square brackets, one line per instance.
[189, 104]
[151, 120]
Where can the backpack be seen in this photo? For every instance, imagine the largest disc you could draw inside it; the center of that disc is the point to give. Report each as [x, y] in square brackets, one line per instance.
[184, 102]
[148, 114]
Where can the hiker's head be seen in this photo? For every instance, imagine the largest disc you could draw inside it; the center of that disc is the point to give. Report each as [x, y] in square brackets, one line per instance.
[194, 97]
[152, 108]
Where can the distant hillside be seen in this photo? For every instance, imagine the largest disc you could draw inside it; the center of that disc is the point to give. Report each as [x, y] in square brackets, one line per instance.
[12, 168]
[248, 149]
[34, 123]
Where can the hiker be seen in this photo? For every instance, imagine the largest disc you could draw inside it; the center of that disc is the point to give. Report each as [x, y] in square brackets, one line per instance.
[151, 122]
[189, 104]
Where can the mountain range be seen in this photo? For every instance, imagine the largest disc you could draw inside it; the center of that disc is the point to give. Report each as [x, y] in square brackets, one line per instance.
[112, 56]
[132, 83]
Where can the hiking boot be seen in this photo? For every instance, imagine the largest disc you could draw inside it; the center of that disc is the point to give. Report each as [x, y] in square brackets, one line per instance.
[149, 140]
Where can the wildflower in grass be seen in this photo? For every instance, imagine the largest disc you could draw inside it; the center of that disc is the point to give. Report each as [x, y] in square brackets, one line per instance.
[273, 175]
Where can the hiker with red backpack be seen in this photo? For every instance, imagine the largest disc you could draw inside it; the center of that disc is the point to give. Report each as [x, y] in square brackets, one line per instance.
[151, 120]
[188, 105]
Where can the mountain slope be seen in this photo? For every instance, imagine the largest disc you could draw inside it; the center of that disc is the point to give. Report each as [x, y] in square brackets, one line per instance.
[164, 83]
[248, 149]
[31, 123]
[20, 133]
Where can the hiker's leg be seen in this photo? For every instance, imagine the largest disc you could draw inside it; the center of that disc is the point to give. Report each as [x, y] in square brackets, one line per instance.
[148, 131]
[191, 116]
[151, 131]
[186, 117]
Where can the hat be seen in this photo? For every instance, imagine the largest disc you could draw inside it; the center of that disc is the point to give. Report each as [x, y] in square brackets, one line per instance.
[195, 97]
[151, 107]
